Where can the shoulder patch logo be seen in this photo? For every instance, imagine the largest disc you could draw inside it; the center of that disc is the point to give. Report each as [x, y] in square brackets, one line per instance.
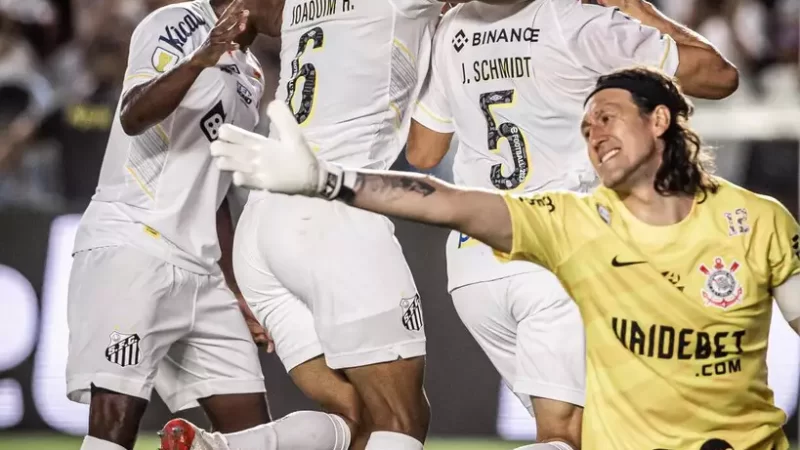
[163, 60]
[604, 214]
[230, 69]
[212, 121]
[721, 288]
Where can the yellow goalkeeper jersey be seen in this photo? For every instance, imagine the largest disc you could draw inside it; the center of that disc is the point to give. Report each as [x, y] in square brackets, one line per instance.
[677, 317]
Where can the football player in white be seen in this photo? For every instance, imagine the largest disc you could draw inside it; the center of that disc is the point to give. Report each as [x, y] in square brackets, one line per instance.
[148, 306]
[510, 82]
[328, 282]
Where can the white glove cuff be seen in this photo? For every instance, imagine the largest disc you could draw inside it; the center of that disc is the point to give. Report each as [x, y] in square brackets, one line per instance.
[330, 182]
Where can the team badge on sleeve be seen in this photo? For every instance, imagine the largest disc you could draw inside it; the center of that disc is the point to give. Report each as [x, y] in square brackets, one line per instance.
[212, 121]
[230, 69]
[412, 313]
[163, 60]
[604, 213]
[123, 349]
[721, 288]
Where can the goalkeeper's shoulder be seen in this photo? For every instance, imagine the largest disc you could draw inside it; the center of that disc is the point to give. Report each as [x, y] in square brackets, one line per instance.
[563, 201]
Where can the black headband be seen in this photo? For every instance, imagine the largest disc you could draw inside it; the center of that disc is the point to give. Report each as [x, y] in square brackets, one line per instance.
[649, 89]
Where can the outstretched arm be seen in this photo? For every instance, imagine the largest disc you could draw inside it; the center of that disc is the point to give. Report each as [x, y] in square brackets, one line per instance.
[426, 199]
[287, 165]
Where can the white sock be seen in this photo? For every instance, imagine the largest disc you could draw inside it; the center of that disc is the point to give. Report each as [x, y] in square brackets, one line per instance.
[547, 446]
[389, 440]
[261, 437]
[93, 443]
[302, 430]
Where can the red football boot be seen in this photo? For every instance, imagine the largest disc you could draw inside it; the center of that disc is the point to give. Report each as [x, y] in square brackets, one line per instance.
[180, 434]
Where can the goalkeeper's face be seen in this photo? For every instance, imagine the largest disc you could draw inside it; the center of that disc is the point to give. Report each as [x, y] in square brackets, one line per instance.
[622, 144]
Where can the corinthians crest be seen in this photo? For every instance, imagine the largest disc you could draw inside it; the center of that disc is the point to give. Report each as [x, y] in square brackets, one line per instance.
[721, 288]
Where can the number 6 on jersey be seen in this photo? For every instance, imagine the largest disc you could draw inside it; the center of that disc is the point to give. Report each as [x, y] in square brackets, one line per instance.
[315, 37]
[512, 133]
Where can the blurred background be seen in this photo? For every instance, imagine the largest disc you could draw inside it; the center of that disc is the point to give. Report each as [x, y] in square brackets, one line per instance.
[61, 69]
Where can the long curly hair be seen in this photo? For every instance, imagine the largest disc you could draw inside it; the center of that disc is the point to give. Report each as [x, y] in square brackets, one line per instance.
[686, 165]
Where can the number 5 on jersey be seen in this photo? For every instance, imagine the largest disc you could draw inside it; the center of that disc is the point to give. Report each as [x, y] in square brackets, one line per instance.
[308, 72]
[511, 133]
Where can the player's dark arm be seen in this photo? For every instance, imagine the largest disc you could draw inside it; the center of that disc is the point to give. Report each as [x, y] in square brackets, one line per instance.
[421, 198]
[147, 104]
[702, 71]
[426, 148]
[225, 231]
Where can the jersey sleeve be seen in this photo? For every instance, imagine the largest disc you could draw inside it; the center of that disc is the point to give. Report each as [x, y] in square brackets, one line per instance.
[538, 226]
[604, 39]
[433, 108]
[782, 244]
[151, 52]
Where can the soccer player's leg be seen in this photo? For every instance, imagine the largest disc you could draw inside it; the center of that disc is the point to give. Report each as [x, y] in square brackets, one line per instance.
[124, 311]
[483, 309]
[291, 326]
[349, 266]
[551, 356]
[217, 365]
[336, 395]
[504, 316]
[369, 318]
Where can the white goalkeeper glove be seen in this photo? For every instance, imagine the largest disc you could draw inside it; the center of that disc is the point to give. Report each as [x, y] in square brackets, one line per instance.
[284, 164]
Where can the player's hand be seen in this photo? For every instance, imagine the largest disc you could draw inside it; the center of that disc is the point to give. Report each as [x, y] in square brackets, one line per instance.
[283, 164]
[231, 24]
[259, 334]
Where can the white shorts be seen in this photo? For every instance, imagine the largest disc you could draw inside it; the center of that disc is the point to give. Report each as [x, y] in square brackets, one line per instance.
[137, 322]
[325, 278]
[531, 331]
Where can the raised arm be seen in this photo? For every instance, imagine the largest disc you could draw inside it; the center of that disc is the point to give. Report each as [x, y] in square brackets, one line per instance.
[432, 126]
[168, 77]
[426, 147]
[703, 71]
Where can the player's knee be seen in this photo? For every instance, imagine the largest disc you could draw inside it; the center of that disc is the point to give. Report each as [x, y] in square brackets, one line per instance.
[410, 416]
[115, 417]
[231, 413]
[351, 410]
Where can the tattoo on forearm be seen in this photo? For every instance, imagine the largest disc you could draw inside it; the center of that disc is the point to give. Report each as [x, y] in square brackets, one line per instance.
[387, 187]
[395, 186]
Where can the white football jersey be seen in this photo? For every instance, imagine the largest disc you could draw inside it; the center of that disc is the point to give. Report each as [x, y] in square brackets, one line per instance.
[160, 191]
[351, 71]
[511, 81]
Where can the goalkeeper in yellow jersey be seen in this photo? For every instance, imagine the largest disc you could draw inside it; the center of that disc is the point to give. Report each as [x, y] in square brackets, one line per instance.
[674, 270]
